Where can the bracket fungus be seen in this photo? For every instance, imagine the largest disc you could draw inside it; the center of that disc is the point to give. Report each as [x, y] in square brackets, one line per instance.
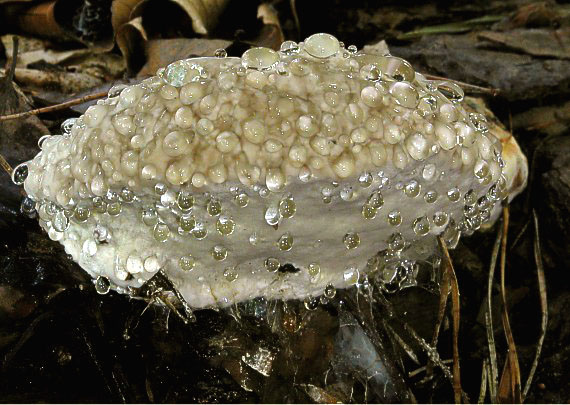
[279, 174]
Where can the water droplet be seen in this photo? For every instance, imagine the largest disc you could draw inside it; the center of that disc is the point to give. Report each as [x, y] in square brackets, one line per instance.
[429, 171]
[311, 303]
[287, 207]
[81, 213]
[220, 53]
[452, 91]
[440, 218]
[327, 199]
[370, 72]
[368, 211]
[185, 200]
[285, 242]
[253, 239]
[289, 47]
[330, 291]
[160, 188]
[219, 253]
[89, 247]
[321, 45]
[421, 226]
[375, 200]
[230, 274]
[28, 207]
[454, 194]
[114, 208]
[351, 240]
[42, 140]
[479, 121]
[214, 207]
[186, 223]
[161, 232]
[481, 169]
[347, 193]
[396, 242]
[352, 48]
[60, 222]
[99, 205]
[187, 262]
[351, 275]
[430, 197]
[404, 94]
[20, 173]
[365, 179]
[67, 125]
[470, 198]
[412, 189]
[242, 200]
[225, 225]
[102, 285]
[101, 234]
[272, 215]
[259, 58]
[272, 264]
[199, 231]
[394, 218]
[149, 216]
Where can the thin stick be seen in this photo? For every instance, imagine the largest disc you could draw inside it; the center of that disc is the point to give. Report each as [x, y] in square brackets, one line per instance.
[6, 166]
[443, 294]
[455, 315]
[543, 304]
[55, 107]
[467, 86]
[511, 371]
[493, 368]
[424, 368]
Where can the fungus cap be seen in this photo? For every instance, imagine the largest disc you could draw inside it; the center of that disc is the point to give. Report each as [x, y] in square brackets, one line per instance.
[222, 171]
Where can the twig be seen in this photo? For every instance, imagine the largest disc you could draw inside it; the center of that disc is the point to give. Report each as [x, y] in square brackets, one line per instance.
[510, 385]
[455, 315]
[6, 166]
[543, 304]
[424, 368]
[467, 86]
[55, 107]
[493, 368]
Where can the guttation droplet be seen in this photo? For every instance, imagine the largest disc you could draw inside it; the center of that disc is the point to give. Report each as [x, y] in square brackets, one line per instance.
[351, 240]
[187, 262]
[102, 285]
[285, 242]
[19, 174]
[272, 264]
[225, 225]
[394, 218]
[219, 253]
[231, 274]
[259, 58]
[287, 207]
[421, 226]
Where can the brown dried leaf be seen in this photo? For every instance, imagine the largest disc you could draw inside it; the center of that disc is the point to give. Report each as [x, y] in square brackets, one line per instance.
[122, 12]
[161, 52]
[550, 120]
[61, 81]
[131, 38]
[204, 13]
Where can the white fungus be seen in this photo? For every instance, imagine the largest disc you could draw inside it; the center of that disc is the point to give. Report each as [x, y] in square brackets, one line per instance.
[221, 170]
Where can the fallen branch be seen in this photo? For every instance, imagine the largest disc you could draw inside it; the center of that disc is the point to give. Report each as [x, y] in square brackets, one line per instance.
[56, 107]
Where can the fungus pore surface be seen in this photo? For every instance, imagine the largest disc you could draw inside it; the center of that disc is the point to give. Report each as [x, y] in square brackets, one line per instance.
[279, 174]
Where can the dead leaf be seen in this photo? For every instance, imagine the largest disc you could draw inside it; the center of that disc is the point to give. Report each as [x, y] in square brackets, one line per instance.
[271, 35]
[161, 52]
[131, 38]
[204, 13]
[122, 12]
[61, 81]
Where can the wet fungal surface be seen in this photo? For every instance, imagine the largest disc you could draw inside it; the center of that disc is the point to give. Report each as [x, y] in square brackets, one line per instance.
[281, 174]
